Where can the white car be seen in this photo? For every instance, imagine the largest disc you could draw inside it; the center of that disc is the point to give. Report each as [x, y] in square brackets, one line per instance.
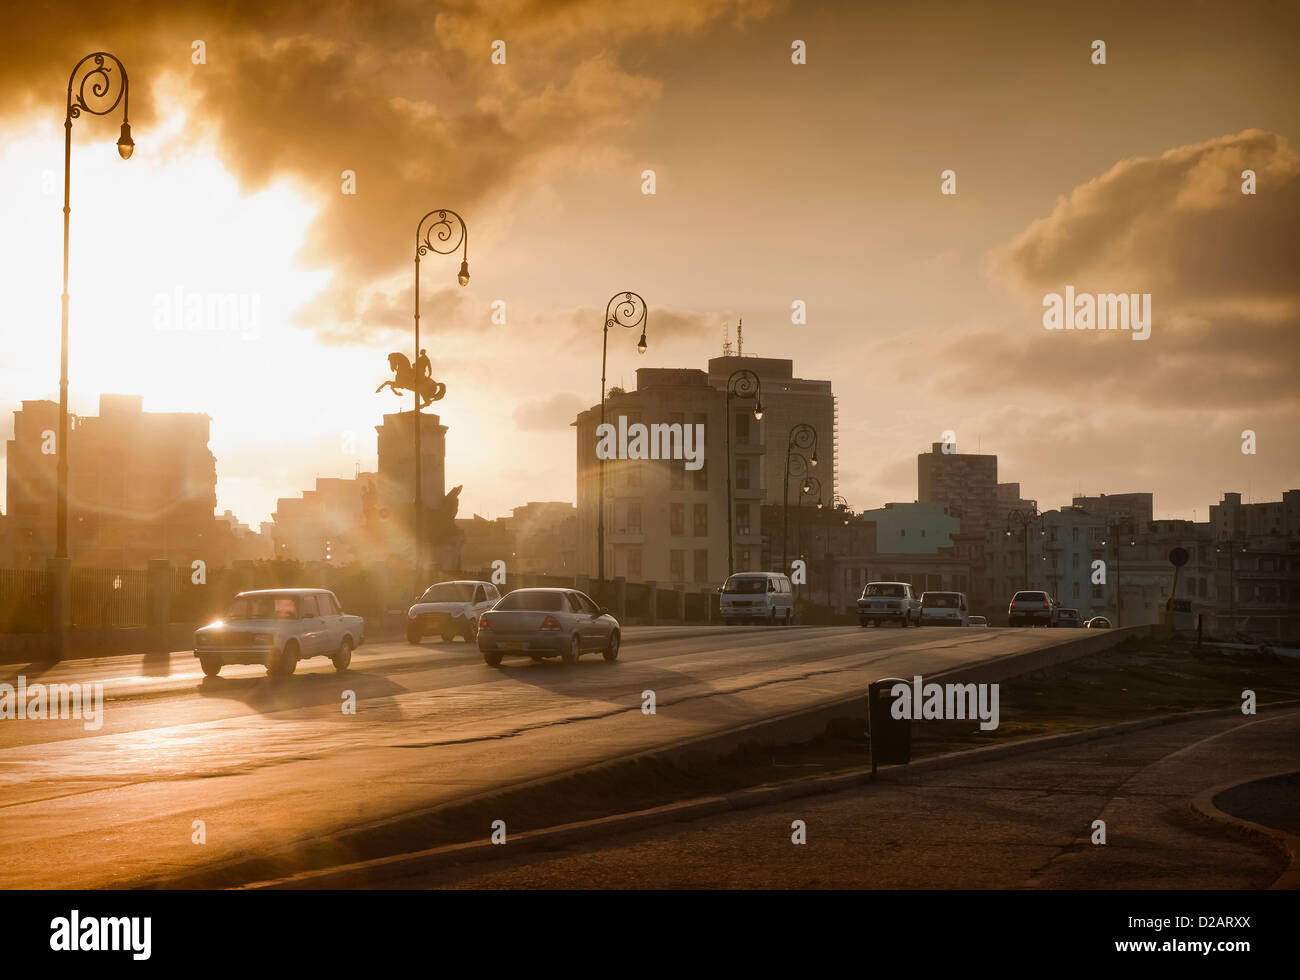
[277, 628]
[757, 597]
[889, 601]
[449, 610]
[944, 609]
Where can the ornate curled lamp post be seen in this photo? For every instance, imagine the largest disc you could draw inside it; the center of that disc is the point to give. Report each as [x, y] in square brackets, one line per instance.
[98, 92]
[742, 384]
[802, 436]
[811, 489]
[625, 309]
[840, 506]
[444, 236]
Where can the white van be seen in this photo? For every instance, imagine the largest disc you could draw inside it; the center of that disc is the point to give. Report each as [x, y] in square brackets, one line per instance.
[944, 609]
[757, 597]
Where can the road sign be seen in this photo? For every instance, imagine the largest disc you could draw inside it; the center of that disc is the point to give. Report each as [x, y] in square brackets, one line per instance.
[1178, 557]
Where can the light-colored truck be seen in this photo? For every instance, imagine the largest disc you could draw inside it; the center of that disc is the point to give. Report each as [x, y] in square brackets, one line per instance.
[277, 628]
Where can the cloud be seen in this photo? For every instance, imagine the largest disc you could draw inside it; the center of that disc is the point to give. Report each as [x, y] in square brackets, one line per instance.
[402, 93]
[1220, 267]
[1177, 226]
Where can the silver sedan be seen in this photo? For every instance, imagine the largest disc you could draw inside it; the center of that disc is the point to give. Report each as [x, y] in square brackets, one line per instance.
[540, 623]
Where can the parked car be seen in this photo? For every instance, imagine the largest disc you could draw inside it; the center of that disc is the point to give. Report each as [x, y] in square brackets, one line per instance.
[1098, 623]
[977, 621]
[944, 609]
[540, 623]
[757, 597]
[1069, 619]
[892, 601]
[449, 610]
[1032, 609]
[277, 628]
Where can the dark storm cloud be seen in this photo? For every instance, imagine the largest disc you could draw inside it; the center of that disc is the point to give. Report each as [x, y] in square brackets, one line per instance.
[402, 93]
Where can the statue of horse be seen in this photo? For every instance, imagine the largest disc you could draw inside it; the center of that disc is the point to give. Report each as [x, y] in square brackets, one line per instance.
[406, 379]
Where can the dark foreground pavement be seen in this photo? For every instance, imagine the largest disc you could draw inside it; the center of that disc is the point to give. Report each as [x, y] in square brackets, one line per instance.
[1020, 822]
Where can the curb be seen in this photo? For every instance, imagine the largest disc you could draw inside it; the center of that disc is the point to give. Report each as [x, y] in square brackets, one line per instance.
[1287, 844]
[385, 872]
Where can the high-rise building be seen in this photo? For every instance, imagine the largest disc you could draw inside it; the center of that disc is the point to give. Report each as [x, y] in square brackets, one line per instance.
[141, 485]
[663, 522]
[787, 401]
[966, 482]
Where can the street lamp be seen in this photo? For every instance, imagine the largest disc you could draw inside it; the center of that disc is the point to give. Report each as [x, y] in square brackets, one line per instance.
[625, 309]
[443, 236]
[1112, 532]
[802, 436]
[742, 384]
[98, 93]
[840, 505]
[1024, 517]
[810, 488]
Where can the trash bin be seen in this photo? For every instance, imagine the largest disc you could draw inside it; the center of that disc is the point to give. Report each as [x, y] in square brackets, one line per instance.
[891, 738]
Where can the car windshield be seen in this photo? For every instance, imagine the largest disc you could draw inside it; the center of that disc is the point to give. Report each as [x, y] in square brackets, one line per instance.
[449, 592]
[746, 584]
[1029, 597]
[530, 602]
[884, 589]
[264, 607]
[942, 600]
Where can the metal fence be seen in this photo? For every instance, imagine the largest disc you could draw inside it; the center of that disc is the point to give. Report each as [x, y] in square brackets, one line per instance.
[24, 600]
[109, 597]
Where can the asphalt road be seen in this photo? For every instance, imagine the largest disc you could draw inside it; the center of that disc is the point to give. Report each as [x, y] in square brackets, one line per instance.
[1024, 821]
[265, 763]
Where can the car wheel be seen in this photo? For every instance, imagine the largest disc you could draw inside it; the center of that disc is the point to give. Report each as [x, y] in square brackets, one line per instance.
[284, 663]
[493, 658]
[771, 620]
[413, 634]
[344, 656]
[211, 668]
[448, 636]
[574, 652]
[611, 648]
[470, 632]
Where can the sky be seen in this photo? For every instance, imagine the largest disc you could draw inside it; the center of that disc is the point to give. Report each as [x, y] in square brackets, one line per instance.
[775, 182]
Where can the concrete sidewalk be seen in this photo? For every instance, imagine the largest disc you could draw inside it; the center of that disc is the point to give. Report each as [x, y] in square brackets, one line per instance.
[1018, 822]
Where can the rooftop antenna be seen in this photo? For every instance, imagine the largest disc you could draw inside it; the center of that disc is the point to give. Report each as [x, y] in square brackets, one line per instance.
[740, 337]
[726, 339]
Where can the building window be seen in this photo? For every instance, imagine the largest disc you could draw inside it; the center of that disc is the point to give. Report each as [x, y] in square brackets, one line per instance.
[701, 564]
[742, 474]
[701, 520]
[677, 565]
[634, 518]
[742, 519]
[743, 560]
[742, 428]
[634, 564]
[702, 477]
[677, 520]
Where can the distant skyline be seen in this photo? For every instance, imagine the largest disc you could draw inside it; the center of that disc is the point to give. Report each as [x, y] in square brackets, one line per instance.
[775, 183]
